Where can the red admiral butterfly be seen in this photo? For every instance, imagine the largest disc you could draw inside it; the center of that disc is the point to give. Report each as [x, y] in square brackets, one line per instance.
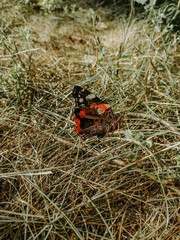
[93, 117]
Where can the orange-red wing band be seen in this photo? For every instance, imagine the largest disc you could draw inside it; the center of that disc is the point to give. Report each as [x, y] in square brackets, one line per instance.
[100, 106]
[77, 128]
[83, 113]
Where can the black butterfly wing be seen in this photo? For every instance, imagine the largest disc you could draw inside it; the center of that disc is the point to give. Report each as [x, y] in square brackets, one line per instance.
[83, 98]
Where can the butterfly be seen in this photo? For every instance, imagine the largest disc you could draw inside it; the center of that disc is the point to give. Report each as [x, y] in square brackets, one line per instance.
[93, 117]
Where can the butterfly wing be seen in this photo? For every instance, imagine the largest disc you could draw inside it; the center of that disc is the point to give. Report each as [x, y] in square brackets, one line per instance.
[91, 115]
[83, 98]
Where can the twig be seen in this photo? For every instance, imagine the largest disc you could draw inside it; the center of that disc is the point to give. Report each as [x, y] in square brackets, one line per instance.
[74, 145]
[165, 123]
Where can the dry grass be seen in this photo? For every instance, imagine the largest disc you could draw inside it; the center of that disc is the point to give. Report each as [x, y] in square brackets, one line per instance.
[54, 185]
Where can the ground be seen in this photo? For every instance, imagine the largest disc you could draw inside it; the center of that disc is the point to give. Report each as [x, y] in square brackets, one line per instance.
[54, 185]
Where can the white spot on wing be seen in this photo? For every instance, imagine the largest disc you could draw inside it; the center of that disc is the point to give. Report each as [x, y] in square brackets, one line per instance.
[90, 96]
[100, 111]
[80, 100]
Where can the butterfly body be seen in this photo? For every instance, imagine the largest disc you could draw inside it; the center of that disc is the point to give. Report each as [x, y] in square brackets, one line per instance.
[93, 117]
